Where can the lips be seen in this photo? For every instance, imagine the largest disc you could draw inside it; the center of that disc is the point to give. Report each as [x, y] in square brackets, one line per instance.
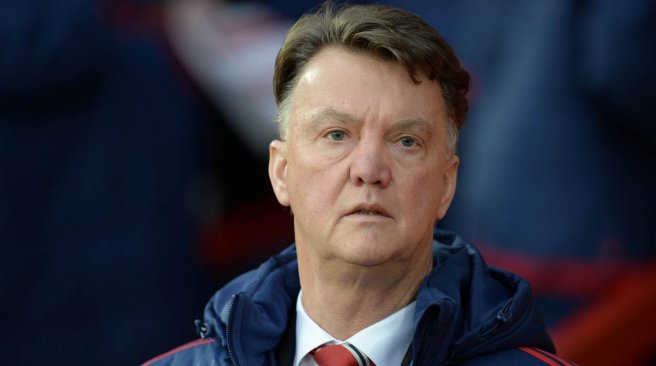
[369, 210]
[365, 212]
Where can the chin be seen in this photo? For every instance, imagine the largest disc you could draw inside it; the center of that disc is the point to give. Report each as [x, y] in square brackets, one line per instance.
[369, 254]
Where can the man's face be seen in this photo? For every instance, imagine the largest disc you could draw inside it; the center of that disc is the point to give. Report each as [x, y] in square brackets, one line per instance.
[365, 165]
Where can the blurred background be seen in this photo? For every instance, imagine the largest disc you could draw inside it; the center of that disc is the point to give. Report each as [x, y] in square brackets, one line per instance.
[133, 150]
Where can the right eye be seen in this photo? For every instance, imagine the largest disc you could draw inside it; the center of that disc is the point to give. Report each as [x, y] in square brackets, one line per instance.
[336, 135]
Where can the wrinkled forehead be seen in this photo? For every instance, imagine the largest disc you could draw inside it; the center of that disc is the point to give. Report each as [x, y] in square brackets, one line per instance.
[362, 86]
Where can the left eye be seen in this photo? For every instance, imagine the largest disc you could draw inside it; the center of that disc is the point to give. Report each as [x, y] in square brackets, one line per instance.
[408, 141]
[337, 135]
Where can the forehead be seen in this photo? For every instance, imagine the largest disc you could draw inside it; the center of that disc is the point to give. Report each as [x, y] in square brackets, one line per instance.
[366, 88]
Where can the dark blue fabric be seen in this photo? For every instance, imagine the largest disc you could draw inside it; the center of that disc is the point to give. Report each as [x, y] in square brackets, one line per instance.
[98, 147]
[465, 310]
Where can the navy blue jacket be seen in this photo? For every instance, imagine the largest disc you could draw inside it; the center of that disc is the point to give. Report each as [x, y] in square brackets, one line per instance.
[466, 313]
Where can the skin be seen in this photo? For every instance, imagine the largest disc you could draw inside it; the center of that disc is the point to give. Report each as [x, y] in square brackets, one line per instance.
[366, 169]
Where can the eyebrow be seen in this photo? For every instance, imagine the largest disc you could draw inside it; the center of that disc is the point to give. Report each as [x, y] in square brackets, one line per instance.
[330, 113]
[415, 124]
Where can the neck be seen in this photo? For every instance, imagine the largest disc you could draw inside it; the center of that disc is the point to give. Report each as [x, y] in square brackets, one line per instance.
[345, 298]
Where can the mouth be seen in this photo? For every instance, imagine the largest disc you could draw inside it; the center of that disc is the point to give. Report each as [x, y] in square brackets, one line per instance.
[368, 213]
[370, 210]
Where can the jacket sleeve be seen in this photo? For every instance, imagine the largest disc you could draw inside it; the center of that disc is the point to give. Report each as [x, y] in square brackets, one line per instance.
[199, 352]
[522, 356]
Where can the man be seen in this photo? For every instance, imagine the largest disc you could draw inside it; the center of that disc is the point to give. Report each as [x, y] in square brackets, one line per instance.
[370, 101]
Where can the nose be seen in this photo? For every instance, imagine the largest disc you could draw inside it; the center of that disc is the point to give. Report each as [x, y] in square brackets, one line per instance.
[369, 164]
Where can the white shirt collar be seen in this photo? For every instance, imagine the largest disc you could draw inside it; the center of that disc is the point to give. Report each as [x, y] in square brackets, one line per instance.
[384, 342]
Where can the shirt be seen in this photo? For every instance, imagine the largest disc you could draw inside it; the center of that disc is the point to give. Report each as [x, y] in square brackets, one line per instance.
[384, 342]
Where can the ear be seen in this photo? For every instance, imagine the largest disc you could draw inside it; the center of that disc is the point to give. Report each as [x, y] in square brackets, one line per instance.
[278, 170]
[450, 180]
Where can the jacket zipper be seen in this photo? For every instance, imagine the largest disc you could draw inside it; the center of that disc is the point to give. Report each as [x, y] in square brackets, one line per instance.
[229, 324]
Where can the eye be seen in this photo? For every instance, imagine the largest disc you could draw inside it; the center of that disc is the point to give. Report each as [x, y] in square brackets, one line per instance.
[408, 141]
[336, 135]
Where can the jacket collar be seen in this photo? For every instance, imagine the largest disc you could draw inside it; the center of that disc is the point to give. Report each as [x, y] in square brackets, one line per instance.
[469, 309]
[464, 308]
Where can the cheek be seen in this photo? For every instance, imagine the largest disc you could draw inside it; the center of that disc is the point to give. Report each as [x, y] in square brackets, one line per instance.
[311, 182]
[425, 195]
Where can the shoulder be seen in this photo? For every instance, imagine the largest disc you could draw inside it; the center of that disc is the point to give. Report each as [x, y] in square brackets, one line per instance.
[198, 352]
[521, 356]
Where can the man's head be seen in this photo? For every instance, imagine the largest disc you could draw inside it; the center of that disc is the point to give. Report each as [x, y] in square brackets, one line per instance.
[370, 97]
[382, 32]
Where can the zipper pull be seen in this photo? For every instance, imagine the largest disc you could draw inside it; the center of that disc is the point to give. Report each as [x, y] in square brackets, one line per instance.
[202, 329]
